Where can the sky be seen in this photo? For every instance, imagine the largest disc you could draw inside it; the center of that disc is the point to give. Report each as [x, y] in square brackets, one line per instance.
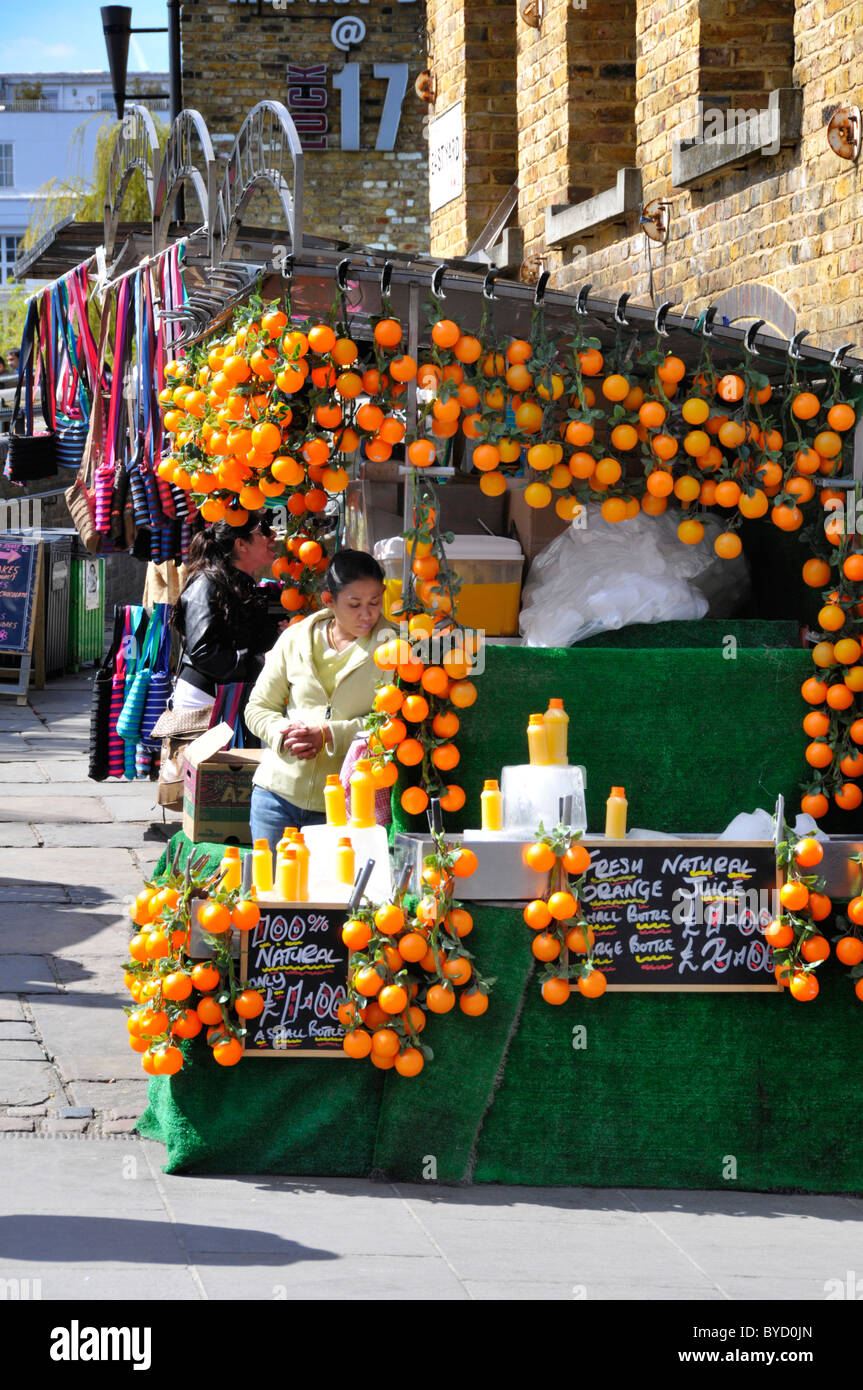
[66, 36]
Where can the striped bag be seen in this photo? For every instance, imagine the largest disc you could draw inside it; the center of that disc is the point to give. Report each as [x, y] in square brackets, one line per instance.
[122, 664]
[160, 686]
[100, 708]
[132, 713]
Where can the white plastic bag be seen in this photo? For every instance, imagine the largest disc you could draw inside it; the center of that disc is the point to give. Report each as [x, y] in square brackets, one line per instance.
[602, 576]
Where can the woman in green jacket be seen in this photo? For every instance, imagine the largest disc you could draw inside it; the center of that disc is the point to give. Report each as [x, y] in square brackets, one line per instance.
[313, 695]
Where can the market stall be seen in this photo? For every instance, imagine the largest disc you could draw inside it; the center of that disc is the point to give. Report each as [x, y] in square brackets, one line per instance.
[525, 1038]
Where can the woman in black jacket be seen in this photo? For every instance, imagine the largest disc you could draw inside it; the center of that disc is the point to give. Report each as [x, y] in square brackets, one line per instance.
[221, 614]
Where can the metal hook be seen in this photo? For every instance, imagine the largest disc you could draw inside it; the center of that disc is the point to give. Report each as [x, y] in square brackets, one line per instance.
[707, 322]
[619, 314]
[539, 292]
[794, 344]
[751, 335]
[661, 316]
[581, 299]
[836, 359]
[437, 281]
[342, 274]
[386, 276]
[488, 285]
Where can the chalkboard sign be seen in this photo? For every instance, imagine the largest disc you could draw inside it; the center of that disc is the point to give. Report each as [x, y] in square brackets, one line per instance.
[19, 575]
[296, 957]
[682, 915]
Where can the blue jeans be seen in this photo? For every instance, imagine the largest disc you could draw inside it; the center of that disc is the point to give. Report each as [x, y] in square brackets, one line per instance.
[270, 814]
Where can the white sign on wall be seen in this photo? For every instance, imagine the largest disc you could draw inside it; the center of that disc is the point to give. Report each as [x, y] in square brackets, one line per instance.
[446, 157]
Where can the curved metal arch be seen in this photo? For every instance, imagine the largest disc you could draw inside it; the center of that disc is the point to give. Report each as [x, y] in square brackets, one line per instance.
[178, 169]
[136, 147]
[265, 141]
[753, 301]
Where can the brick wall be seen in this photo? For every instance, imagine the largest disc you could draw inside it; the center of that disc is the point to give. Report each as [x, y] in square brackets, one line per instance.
[576, 111]
[235, 55]
[791, 221]
[746, 49]
[472, 55]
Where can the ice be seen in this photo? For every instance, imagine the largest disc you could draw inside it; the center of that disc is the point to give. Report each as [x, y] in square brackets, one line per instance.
[367, 844]
[532, 794]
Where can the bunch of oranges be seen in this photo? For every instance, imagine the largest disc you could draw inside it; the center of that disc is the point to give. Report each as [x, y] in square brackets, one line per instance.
[555, 919]
[405, 965]
[174, 997]
[415, 717]
[299, 569]
[798, 943]
[267, 412]
[833, 722]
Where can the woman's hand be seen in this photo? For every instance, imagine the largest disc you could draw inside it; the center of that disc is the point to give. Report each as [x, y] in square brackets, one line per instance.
[302, 742]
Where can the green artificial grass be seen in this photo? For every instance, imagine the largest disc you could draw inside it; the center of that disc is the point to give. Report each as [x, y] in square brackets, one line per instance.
[662, 1090]
[694, 735]
[676, 1090]
[438, 1114]
[705, 632]
[266, 1115]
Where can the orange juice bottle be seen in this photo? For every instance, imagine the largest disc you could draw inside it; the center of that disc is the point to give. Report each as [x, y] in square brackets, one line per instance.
[537, 741]
[303, 857]
[615, 814]
[231, 868]
[334, 800]
[345, 861]
[557, 732]
[491, 805]
[362, 796]
[262, 867]
[288, 876]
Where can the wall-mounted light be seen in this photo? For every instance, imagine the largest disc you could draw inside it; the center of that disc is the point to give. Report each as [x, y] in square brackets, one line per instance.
[655, 220]
[531, 12]
[844, 132]
[426, 86]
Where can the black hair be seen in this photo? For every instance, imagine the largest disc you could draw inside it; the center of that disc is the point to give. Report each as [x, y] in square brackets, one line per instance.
[347, 566]
[210, 554]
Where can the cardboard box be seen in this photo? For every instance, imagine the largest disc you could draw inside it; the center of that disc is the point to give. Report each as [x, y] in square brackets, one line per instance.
[466, 511]
[534, 527]
[217, 788]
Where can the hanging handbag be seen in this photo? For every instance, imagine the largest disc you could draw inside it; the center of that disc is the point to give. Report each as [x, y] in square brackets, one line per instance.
[129, 722]
[159, 688]
[100, 705]
[80, 497]
[31, 455]
[72, 438]
[114, 434]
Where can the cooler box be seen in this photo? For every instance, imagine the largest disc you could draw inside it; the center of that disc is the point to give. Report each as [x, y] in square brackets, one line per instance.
[490, 570]
[217, 788]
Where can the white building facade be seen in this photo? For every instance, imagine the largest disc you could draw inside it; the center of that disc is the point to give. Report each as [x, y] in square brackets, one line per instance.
[49, 124]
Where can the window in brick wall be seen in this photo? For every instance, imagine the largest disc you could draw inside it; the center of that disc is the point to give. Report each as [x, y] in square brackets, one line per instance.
[745, 51]
[601, 49]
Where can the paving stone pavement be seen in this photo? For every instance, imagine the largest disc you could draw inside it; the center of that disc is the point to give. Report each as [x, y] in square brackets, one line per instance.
[72, 853]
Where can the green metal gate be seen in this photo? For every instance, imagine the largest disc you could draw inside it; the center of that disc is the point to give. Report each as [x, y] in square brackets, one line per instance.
[86, 610]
